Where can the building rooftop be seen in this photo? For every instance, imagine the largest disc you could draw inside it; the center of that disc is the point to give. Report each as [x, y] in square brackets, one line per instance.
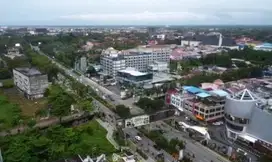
[220, 93]
[245, 95]
[259, 126]
[28, 71]
[132, 72]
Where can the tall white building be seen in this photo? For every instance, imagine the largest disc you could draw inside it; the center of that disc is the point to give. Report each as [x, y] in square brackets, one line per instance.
[139, 58]
[83, 64]
[112, 62]
[30, 81]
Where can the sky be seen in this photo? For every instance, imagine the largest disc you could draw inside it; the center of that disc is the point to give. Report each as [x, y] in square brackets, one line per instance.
[136, 12]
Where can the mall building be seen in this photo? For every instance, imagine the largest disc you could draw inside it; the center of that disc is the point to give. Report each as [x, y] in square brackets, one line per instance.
[248, 120]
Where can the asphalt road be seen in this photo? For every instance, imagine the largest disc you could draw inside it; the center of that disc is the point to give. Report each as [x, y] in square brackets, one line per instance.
[147, 145]
[202, 153]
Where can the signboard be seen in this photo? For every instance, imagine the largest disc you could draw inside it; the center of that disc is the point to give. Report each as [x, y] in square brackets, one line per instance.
[137, 121]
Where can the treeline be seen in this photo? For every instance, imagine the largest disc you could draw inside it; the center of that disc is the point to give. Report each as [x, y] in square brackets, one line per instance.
[250, 72]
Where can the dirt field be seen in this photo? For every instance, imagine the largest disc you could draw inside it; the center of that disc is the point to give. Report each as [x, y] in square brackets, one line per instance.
[28, 107]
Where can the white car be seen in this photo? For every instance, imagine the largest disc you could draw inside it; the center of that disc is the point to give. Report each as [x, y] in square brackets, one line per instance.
[138, 138]
[241, 151]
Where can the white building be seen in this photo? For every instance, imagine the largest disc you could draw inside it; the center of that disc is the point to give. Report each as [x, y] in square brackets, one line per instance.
[158, 66]
[111, 62]
[190, 43]
[83, 64]
[139, 58]
[30, 81]
[248, 119]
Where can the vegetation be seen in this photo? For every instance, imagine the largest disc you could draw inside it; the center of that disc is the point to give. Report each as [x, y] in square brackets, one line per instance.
[265, 158]
[252, 72]
[8, 83]
[56, 143]
[10, 114]
[149, 105]
[122, 111]
[60, 101]
[172, 146]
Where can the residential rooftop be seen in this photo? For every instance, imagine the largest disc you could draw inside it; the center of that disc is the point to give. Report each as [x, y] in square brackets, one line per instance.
[132, 72]
[29, 71]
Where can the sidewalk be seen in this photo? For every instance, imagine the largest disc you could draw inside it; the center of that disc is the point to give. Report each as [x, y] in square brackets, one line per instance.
[110, 131]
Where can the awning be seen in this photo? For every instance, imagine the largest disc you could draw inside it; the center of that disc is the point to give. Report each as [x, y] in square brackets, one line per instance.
[199, 117]
[248, 138]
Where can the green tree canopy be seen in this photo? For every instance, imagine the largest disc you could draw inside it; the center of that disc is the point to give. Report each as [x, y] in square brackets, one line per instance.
[122, 111]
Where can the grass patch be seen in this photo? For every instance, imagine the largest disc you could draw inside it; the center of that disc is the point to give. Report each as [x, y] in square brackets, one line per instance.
[28, 107]
[10, 113]
[98, 137]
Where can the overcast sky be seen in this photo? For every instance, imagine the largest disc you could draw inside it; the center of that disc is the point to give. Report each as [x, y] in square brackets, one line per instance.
[135, 12]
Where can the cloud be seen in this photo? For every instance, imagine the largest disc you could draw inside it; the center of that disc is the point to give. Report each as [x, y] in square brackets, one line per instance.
[142, 16]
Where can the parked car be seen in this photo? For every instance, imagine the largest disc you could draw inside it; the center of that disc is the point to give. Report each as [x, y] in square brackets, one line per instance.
[138, 138]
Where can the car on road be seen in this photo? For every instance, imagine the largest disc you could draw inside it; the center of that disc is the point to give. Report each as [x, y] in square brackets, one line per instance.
[138, 138]
[241, 152]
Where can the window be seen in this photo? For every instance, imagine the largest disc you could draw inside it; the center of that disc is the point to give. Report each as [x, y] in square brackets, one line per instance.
[212, 110]
[234, 127]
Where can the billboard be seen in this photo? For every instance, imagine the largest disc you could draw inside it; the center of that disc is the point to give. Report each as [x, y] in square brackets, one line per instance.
[137, 121]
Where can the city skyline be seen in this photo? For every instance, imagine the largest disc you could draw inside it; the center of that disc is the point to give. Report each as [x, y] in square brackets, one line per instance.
[136, 12]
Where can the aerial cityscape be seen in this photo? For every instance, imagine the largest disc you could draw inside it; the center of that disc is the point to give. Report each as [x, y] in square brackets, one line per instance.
[161, 81]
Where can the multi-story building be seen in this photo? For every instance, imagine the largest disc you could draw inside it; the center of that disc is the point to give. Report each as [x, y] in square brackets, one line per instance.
[204, 105]
[131, 76]
[248, 119]
[30, 81]
[139, 58]
[111, 62]
[158, 66]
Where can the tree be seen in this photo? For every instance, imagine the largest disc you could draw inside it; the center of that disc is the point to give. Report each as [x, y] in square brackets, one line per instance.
[86, 105]
[91, 70]
[265, 158]
[122, 111]
[150, 105]
[61, 102]
[31, 123]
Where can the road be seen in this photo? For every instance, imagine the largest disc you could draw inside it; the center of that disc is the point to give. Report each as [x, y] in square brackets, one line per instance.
[102, 91]
[203, 153]
[147, 145]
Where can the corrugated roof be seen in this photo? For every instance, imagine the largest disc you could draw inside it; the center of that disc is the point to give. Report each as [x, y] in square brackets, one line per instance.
[220, 92]
[203, 95]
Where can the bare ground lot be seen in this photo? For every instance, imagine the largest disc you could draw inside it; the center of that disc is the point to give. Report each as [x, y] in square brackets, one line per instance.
[28, 107]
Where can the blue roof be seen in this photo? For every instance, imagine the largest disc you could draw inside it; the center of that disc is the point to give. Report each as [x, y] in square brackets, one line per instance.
[267, 44]
[203, 94]
[220, 92]
[192, 89]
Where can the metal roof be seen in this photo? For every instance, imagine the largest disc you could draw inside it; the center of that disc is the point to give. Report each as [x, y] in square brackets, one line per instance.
[259, 125]
[220, 92]
[203, 95]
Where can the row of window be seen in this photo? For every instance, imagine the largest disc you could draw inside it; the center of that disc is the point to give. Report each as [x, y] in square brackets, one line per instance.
[236, 119]
[234, 127]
